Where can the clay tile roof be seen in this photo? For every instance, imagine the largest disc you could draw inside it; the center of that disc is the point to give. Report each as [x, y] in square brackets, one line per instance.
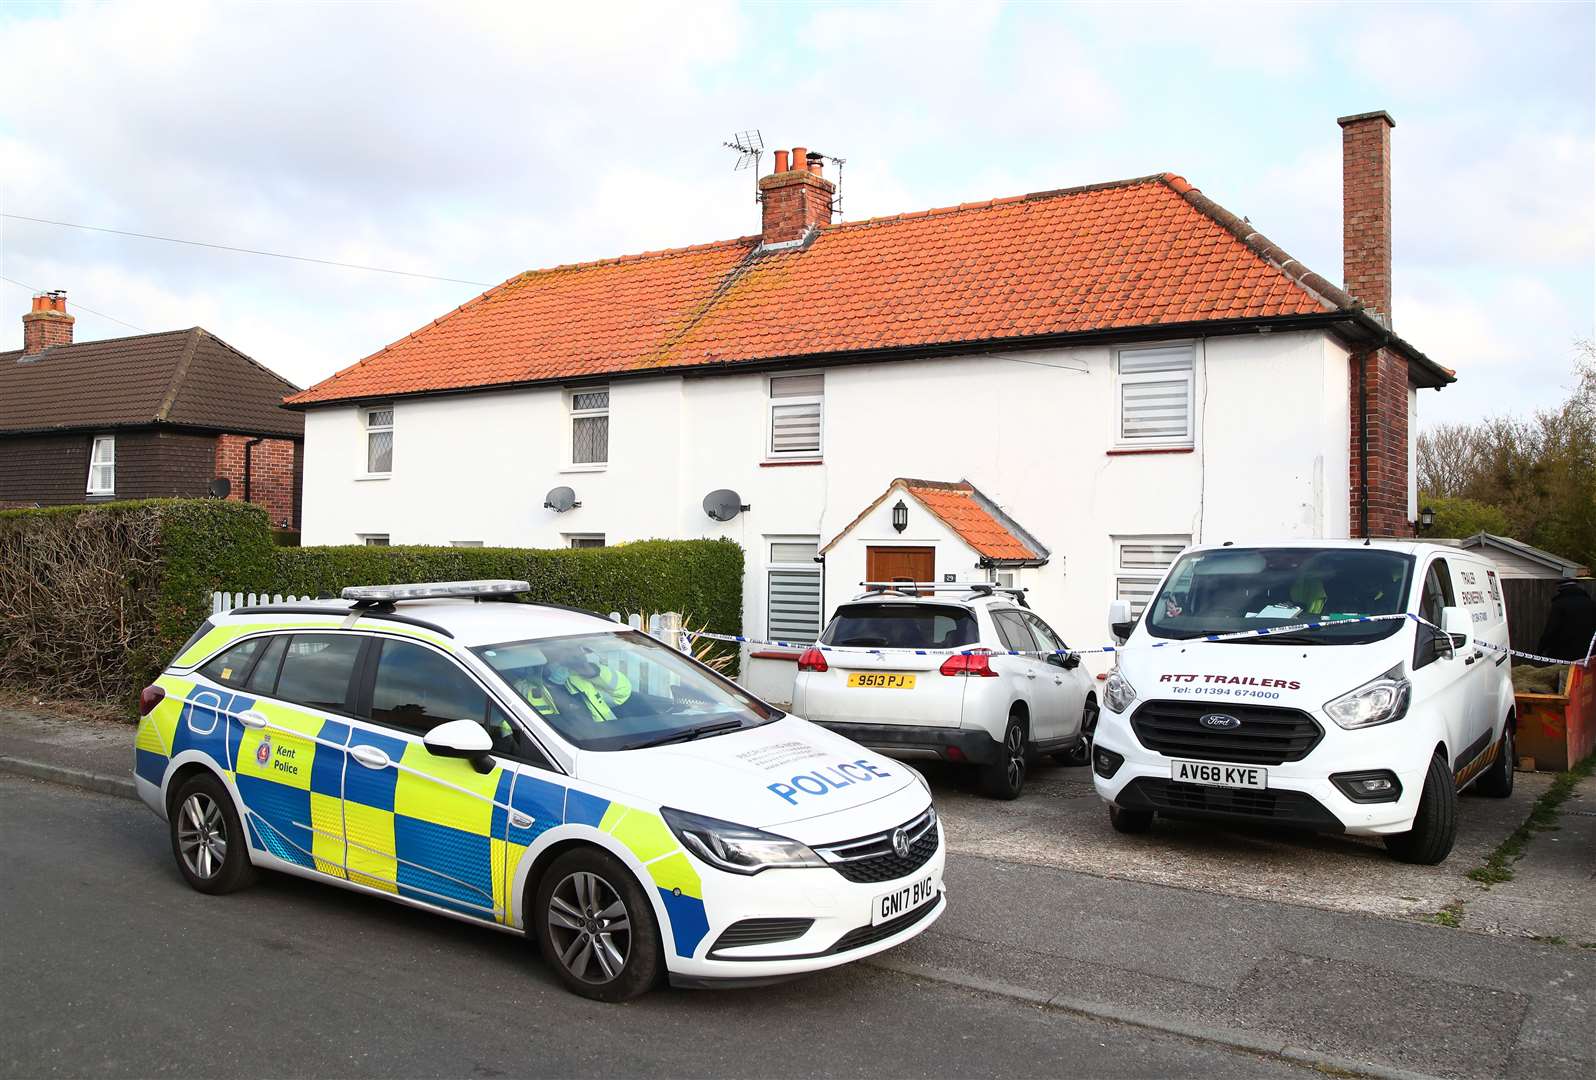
[189, 378]
[1146, 252]
[976, 520]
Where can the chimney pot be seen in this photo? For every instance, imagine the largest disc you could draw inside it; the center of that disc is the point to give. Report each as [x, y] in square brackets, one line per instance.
[795, 198]
[781, 161]
[48, 324]
[799, 157]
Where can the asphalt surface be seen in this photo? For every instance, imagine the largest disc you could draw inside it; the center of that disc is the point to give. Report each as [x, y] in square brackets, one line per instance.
[112, 966]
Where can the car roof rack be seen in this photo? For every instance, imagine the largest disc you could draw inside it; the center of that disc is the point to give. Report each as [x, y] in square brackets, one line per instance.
[916, 588]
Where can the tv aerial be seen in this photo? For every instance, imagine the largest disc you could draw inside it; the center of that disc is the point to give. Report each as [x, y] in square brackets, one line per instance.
[750, 147]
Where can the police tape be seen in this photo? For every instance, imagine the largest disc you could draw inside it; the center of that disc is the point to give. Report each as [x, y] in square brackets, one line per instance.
[1240, 635]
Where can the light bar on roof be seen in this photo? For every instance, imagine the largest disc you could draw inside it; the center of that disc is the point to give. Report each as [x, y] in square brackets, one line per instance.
[429, 590]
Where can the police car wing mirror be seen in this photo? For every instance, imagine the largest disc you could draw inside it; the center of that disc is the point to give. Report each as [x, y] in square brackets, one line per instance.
[252, 719]
[1458, 625]
[462, 739]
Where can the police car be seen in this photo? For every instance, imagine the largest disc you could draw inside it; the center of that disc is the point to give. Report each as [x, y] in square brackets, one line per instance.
[538, 770]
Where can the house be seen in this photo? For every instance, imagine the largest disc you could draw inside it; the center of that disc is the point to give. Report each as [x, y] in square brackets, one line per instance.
[1103, 373]
[141, 417]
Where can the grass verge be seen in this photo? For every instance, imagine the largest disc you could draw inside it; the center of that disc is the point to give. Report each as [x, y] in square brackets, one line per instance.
[1451, 915]
[1542, 817]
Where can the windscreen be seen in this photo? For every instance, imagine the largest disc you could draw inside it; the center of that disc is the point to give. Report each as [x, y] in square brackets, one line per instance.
[902, 626]
[621, 691]
[1226, 590]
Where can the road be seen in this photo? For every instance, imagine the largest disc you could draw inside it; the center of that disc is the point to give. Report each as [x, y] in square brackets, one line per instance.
[112, 966]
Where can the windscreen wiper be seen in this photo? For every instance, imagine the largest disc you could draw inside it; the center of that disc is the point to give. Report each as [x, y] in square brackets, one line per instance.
[690, 734]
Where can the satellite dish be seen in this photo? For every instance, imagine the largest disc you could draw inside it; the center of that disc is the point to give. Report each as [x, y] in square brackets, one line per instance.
[221, 487]
[724, 504]
[560, 500]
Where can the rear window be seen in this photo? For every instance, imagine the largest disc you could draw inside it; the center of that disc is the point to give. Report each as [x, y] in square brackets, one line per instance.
[902, 626]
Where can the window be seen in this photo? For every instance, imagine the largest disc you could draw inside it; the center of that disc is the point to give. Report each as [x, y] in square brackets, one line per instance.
[264, 678]
[1155, 395]
[797, 407]
[792, 590]
[1139, 562]
[902, 626]
[590, 427]
[1011, 629]
[1046, 639]
[379, 441]
[418, 689]
[585, 540]
[1437, 592]
[232, 667]
[102, 465]
[316, 670]
[374, 539]
[465, 543]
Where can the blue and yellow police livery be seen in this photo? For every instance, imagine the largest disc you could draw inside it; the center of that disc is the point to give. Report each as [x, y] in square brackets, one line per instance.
[541, 771]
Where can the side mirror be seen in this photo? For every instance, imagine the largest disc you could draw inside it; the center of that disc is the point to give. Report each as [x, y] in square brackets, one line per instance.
[1458, 625]
[462, 739]
[1120, 622]
[1070, 661]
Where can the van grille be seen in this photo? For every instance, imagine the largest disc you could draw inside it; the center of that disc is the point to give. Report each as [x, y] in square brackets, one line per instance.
[1267, 736]
[1175, 799]
[872, 859]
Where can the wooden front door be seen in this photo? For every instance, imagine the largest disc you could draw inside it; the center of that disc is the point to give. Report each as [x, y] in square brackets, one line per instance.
[900, 564]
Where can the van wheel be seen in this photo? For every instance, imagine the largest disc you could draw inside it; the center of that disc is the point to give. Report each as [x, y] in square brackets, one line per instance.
[1005, 777]
[596, 927]
[1497, 781]
[207, 839]
[1081, 752]
[1130, 822]
[1435, 826]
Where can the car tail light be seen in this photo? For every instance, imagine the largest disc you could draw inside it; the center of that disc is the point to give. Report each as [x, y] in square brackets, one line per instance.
[812, 659]
[150, 697]
[969, 664]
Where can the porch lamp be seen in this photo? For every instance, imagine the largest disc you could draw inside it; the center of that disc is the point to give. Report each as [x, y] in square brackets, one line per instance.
[900, 516]
[1426, 518]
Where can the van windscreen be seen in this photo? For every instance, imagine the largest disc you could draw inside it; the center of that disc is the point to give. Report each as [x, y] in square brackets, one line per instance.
[902, 626]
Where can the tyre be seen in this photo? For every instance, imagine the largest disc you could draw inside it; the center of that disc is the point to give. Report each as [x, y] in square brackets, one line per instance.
[1005, 777]
[1497, 781]
[1130, 822]
[1435, 826]
[596, 927]
[1081, 754]
[207, 839]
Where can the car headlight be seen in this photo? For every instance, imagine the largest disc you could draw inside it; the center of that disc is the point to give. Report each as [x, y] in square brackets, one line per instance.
[736, 848]
[1118, 693]
[1378, 701]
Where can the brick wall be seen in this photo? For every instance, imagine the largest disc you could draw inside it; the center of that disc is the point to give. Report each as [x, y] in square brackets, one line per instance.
[274, 475]
[1366, 209]
[1385, 381]
[793, 200]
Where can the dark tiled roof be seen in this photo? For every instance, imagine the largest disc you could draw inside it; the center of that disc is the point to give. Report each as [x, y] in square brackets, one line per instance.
[188, 377]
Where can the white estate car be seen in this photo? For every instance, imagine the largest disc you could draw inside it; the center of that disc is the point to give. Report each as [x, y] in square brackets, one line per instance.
[1368, 728]
[540, 771]
[975, 706]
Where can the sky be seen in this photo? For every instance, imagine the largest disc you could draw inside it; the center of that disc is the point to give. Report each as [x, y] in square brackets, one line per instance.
[475, 141]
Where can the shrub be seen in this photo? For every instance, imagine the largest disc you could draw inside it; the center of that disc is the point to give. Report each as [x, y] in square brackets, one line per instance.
[94, 600]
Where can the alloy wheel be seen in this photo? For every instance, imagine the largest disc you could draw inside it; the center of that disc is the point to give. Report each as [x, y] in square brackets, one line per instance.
[1014, 747]
[589, 927]
[202, 836]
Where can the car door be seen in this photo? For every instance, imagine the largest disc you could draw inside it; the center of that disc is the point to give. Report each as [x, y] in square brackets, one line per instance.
[423, 826]
[288, 729]
[1071, 682]
[1446, 681]
[1042, 695]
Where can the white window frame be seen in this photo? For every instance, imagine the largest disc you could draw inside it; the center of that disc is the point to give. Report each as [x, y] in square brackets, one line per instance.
[94, 463]
[808, 569]
[465, 543]
[573, 414]
[370, 429]
[1122, 380]
[375, 539]
[772, 403]
[1139, 575]
[571, 540]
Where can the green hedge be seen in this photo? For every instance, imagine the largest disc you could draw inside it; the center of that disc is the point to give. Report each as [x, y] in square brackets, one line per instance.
[94, 600]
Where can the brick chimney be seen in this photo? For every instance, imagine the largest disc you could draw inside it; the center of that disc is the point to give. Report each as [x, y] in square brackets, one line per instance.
[795, 198]
[47, 324]
[1382, 420]
[1366, 209]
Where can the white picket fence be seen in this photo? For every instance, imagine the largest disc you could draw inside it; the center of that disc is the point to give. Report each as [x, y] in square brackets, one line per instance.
[227, 601]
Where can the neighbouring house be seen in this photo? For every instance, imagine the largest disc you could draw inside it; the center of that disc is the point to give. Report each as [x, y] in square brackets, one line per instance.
[1081, 381]
[165, 414]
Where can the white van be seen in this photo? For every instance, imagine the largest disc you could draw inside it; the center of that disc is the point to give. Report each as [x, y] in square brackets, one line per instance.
[1368, 728]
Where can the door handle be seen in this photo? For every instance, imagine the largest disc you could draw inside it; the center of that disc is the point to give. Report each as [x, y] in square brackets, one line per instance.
[1030, 674]
[1058, 680]
[372, 757]
[252, 719]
